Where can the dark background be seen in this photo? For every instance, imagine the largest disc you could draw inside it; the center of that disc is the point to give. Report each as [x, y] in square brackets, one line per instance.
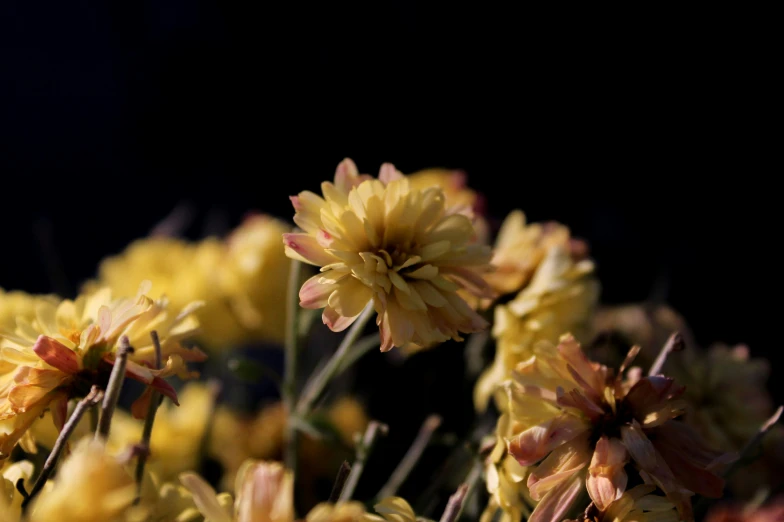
[654, 136]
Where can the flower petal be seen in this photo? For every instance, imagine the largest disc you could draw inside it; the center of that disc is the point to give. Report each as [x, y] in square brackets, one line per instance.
[57, 355]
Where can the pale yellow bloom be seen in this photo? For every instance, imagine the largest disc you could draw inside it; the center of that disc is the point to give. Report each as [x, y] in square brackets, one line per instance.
[453, 182]
[19, 304]
[239, 279]
[265, 493]
[65, 348]
[380, 241]
[560, 297]
[90, 486]
[391, 509]
[163, 502]
[635, 505]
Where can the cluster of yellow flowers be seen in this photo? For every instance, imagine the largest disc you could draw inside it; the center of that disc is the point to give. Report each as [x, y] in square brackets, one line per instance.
[574, 440]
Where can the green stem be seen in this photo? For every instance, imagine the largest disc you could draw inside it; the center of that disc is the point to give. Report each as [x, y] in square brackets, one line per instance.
[289, 388]
[155, 400]
[319, 382]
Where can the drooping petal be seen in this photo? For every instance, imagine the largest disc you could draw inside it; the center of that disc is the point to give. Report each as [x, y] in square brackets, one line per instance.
[57, 355]
[533, 444]
[607, 479]
[306, 248]
[558, 501]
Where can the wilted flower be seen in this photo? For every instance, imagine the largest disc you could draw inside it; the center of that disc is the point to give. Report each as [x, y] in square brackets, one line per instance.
[582, 423]
[236, 438]
[265, 493]
[635, 505]
[61, 352]
[90, 486]
[383, 242]
[238, 279]
[559, 297]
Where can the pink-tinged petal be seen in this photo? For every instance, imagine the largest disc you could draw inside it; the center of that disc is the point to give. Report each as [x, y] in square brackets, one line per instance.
[296, 203]
[639, 446]
[606, 477]
[591, 374]
[33, 385]
[141, 406]
[385, 332]
[650, 394]
[388, 173]
[335, 321]
[536, 442]
[470, 280]
[558, 501]
[559, 467]
[59, 408]
[57, 355]
[314, 294]
[575, 399]
[134, 370]
[347, 175]
[306, 248]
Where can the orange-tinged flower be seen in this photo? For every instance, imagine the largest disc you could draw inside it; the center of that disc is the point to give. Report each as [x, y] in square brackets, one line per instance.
[580, 422]
[380, 241]
[65, 348]
[265, 493]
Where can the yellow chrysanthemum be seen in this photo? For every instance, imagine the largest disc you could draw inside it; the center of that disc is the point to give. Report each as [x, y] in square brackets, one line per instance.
[265, 493]
[383, 242]
[66, 348]
[239, 279]
[235, 438]
[391, 509]
[19, 304]
[452, 182]
[90, 486]
[164, 502]
[559, 298]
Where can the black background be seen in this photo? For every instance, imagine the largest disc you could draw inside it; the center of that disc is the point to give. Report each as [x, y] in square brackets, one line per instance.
[655, 136]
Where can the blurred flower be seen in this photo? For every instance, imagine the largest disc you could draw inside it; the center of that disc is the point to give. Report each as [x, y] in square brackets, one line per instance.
[391, 509]
[167, 502]
[458, 195]
[647, 325]
[383, 242]
[265, 494]
[773, 512]
[235, 438]
[19, 304]
[10, 498]
[635, 505]
[61, 352]
[728, 402]
[90, 486]
[239, 279]
[582, 423]
[560, 297]
[505, 479]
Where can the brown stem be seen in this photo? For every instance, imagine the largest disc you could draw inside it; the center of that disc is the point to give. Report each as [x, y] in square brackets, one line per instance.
[113, 388]
[92, 398]
[411, 457]
[340, 481]
[155, 401]
[674, 344]
[455, 504]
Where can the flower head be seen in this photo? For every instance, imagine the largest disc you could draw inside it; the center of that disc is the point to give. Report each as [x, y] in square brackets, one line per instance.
[90, 486]
[380, 241]
[67, 346]
[559, 297]
[581, 423]
[390, 509]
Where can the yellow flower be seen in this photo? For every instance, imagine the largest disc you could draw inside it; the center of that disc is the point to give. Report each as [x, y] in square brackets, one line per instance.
[66, 347]
[18, 304]
[582, 423]
[635, 505]
[265, 494]
[90, 486]
[454, 184]
[235, 438]
[559, 298]
[239, 279]
[382, 242]
[391, 509]
[167, 502]
[256, 276]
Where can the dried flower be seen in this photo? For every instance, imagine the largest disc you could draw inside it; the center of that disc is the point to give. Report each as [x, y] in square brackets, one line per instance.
[90, 486]
[61, 352]
[383, 242]
[635, 505]
[265, 494]
[559, 298]
[582, 423]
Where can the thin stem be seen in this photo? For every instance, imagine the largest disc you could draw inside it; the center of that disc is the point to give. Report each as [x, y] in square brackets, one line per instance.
[93, 418]
[320, 381]
[289, 388]
[112, 394]
[674, 344]
[360, 348]
[363, 451]
[455, 504]
[155, 401]
[92, 398]
[340, 481]
[411, 457]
